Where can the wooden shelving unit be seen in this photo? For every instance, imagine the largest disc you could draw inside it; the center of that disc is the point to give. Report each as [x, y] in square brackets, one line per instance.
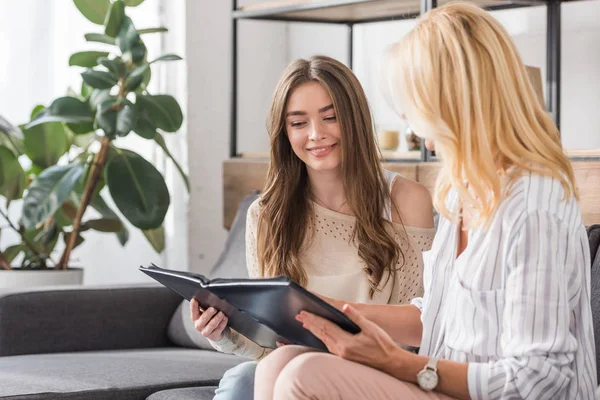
[352, 12]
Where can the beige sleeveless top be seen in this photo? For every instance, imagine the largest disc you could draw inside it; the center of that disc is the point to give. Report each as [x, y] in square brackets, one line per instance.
[335, 269]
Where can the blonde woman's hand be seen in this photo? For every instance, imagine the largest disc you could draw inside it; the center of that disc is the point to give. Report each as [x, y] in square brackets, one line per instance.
[372, 346]
[210, 323]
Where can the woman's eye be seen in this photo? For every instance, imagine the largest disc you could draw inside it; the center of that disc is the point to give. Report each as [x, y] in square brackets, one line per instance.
[297, 124]
[331, 118]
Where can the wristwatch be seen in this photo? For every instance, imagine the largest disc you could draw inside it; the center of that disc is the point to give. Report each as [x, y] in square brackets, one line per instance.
[428, 377]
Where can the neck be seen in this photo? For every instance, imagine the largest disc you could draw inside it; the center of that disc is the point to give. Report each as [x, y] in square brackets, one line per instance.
[328, 188]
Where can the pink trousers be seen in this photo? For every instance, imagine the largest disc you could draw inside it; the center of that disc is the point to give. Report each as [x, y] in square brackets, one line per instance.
[315, 375]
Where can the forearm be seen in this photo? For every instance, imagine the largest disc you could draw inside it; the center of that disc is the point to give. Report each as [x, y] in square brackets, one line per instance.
[452, 376]
[401, 322]
[234, 343]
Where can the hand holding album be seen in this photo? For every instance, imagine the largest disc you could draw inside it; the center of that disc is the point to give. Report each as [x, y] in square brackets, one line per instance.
[263, 310]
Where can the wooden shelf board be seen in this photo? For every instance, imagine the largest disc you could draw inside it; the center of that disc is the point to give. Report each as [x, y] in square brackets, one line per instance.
[385, 154]
[348, 11]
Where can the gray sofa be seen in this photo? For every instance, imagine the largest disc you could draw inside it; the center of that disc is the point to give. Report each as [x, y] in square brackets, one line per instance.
[106, 343]
[130, 342]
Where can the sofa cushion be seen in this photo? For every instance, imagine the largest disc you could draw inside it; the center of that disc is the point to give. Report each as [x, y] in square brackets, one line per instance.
[76, 318]
[103, 375]
[232, 261]
[195, 393]
[594, 241]
[230, 264]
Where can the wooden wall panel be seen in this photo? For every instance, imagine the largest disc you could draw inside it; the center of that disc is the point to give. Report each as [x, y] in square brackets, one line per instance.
[587, 176]
[243, 176]
[240, 178]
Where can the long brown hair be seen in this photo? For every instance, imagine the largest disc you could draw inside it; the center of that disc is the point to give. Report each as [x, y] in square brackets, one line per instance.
[285, 207]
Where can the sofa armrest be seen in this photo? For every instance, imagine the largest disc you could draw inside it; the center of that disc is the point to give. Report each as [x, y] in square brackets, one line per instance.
[67, 319]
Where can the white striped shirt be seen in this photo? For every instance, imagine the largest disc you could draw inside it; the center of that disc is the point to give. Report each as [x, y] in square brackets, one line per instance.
[515, 304]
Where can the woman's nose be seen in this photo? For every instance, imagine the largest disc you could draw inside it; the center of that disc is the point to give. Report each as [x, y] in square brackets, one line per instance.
[314, 132]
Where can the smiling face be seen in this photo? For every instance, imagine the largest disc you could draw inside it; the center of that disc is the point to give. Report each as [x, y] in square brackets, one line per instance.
[312, 127]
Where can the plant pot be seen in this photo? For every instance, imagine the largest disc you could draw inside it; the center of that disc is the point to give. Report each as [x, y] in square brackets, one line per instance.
[22, 278]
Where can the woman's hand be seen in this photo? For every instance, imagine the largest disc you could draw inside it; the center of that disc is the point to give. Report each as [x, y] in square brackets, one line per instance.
[372, 346]
[210, 323]
[336, 303]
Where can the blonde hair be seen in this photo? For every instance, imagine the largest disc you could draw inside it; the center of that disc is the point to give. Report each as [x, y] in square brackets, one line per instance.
[285, 207]
[462, 83]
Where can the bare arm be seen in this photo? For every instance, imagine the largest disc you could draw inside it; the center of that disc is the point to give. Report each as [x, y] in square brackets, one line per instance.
[413, 204]
[401, 322]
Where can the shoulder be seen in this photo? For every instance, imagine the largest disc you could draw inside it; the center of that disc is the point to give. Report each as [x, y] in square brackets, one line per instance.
[413, 202]
[532, 193]
[253, 211]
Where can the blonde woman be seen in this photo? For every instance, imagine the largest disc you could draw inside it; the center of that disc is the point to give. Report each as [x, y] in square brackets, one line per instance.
[330, 217]
[506, 310]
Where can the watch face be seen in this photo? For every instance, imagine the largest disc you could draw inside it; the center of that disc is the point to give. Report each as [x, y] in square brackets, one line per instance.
[427, 379]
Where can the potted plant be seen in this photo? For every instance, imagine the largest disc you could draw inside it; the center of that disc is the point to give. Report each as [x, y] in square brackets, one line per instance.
[73, 152]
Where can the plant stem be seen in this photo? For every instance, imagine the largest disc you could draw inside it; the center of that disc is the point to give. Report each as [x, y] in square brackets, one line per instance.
[90, 187]
[23, 238]
[4, 264]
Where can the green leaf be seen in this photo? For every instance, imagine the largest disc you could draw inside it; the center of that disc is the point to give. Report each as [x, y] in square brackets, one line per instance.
[46, 143]
[152, 30]
[144, 127]
[138, 52]
[11, 137]
[125, 120]
[167, 57]
[113, 65]
[106, 118]
[163, 145]
[49, 238]
[86, 59]
[98, 97]
[93, 10]
[133, 3]
[135, 78]
[78, 241]
[11, 252]
[64, 109]
[156, 237]
[114, 18]
[138, 189]
[48, 192]
[12, 176]
[127, 36]
[81, 129]
[99, 79]
[103, 225]
[163, 111]
[34, 170]
[99, 37]
[86, 90]
[63, 216]
[100, 205]
[82, 141]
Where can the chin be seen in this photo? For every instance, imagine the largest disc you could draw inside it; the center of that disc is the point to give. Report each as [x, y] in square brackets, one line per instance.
[324, 165]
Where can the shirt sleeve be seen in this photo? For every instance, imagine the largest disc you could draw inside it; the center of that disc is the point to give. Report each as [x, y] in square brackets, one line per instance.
[235, 343]
[544, 273]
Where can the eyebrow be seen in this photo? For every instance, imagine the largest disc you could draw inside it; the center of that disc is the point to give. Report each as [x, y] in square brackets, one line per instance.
[321, 110]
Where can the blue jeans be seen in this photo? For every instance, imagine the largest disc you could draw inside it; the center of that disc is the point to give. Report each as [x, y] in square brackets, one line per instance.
[237, 383]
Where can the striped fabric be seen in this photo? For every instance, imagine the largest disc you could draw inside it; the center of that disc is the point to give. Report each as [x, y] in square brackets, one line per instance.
[515, 304]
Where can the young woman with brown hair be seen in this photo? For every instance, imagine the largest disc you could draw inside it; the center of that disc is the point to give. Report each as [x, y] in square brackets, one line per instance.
[329, 217]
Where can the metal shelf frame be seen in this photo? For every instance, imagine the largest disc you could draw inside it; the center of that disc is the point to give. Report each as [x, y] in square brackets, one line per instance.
[310, 12]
